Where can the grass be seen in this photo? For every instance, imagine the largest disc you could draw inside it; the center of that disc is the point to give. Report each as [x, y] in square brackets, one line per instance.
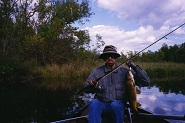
[164, 69]
[74, 74]
[83, 69]
[71, 70]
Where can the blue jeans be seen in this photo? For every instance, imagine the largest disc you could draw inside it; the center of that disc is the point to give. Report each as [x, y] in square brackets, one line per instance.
[114, 109]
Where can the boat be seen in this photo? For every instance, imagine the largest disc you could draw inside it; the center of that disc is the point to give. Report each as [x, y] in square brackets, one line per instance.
[81, 116]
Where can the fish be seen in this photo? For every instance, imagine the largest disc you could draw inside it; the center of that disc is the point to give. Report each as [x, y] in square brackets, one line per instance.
[132, 93]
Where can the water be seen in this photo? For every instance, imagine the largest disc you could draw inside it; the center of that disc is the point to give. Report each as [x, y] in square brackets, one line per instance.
[157, 102]
[47, 101]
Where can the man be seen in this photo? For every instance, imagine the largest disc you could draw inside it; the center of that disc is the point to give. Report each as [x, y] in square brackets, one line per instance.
[110, 97]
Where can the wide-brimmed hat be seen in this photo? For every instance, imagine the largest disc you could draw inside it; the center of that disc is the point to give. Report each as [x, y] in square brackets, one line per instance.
[109, 50]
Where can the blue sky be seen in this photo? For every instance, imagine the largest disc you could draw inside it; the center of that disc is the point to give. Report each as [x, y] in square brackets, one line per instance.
[131, 25]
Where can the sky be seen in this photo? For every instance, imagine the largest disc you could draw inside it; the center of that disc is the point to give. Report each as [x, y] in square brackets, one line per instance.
[158, 102]
[132, 25]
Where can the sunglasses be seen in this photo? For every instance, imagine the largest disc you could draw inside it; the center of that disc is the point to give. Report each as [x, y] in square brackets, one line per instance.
[109, 55]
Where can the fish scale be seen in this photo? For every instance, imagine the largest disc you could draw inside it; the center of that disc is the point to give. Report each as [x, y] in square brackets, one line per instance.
[132, 92]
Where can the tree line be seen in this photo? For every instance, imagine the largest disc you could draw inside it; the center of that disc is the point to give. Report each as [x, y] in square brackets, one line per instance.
[175, 53]
[40, 33]
[35, 34]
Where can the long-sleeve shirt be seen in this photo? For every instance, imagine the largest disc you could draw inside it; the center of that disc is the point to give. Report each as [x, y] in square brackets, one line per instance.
[112, 87]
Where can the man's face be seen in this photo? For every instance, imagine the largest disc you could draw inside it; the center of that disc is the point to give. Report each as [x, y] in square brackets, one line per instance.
[110, 59]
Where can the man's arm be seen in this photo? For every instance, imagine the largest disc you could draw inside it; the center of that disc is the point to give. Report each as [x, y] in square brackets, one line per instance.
[90, 83]
[140, 76]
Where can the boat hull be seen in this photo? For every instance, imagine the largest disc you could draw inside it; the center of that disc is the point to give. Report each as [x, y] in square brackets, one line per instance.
[81, 116]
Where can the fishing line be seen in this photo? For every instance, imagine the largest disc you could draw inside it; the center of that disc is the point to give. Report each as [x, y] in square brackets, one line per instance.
[98, 79]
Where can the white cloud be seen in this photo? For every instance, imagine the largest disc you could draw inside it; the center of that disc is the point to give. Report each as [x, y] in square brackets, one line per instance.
[157, 102]
[147, 12]
[154, 19]
[135, 40]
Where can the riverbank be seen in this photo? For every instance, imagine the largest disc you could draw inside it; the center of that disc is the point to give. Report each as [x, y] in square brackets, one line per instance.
[83, 69]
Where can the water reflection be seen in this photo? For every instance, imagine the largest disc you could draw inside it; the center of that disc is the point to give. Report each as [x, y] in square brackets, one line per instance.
[161, 103]
[165, 96]
[37, 101]
[45, 101]
[169, 85]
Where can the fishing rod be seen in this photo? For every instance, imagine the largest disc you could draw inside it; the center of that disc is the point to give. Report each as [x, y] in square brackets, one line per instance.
[98, 79]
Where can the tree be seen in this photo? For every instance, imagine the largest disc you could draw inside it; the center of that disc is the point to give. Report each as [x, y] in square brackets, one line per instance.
[43, 31]
[145, 57]
[159, 56]
[7, 38]
[62, 41]
[40, 32]
[98, 46]
[169, 52]
[180, 54]
[122, 58]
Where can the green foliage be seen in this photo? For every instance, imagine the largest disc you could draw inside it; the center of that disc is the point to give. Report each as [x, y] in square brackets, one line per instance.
[169, 52]
[179, 55]
[164, 54]
[43, 33]
[159, 55]
[122, 59]
[169, 84]
[71, 70]
[163, 69]
[62, 42]
[97, 47]
[13, 69]
[82, 69]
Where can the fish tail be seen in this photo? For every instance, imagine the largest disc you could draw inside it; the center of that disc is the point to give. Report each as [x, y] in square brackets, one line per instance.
[138, 104]
[138, 91]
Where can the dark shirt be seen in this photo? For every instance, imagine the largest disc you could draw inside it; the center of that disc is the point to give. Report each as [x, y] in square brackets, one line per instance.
[112, 87]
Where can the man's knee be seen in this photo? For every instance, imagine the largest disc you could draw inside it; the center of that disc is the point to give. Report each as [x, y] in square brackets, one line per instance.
[117, 105]
[94, 103]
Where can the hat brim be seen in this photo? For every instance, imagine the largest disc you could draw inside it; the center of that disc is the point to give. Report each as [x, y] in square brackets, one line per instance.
[102, 56]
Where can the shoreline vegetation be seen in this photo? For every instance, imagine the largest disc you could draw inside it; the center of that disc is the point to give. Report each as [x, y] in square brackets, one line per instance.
[51, 46]
[167, 76]
[83, 69]
[164, 75]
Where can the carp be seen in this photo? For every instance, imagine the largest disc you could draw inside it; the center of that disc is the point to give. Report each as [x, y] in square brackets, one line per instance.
[132, 93]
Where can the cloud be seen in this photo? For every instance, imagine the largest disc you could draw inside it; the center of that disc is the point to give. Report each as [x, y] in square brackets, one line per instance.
[147, 12]
[135, 40]
[154, 19]
[157, 102]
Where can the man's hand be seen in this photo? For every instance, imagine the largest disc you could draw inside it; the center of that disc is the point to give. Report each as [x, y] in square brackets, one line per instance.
[93, 82]
[131, 64]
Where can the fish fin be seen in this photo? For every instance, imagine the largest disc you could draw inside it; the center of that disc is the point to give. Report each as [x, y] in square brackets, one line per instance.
[138, 104]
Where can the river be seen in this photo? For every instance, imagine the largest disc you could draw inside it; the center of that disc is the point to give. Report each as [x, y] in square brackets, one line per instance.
[165, 103]
[46, 101]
